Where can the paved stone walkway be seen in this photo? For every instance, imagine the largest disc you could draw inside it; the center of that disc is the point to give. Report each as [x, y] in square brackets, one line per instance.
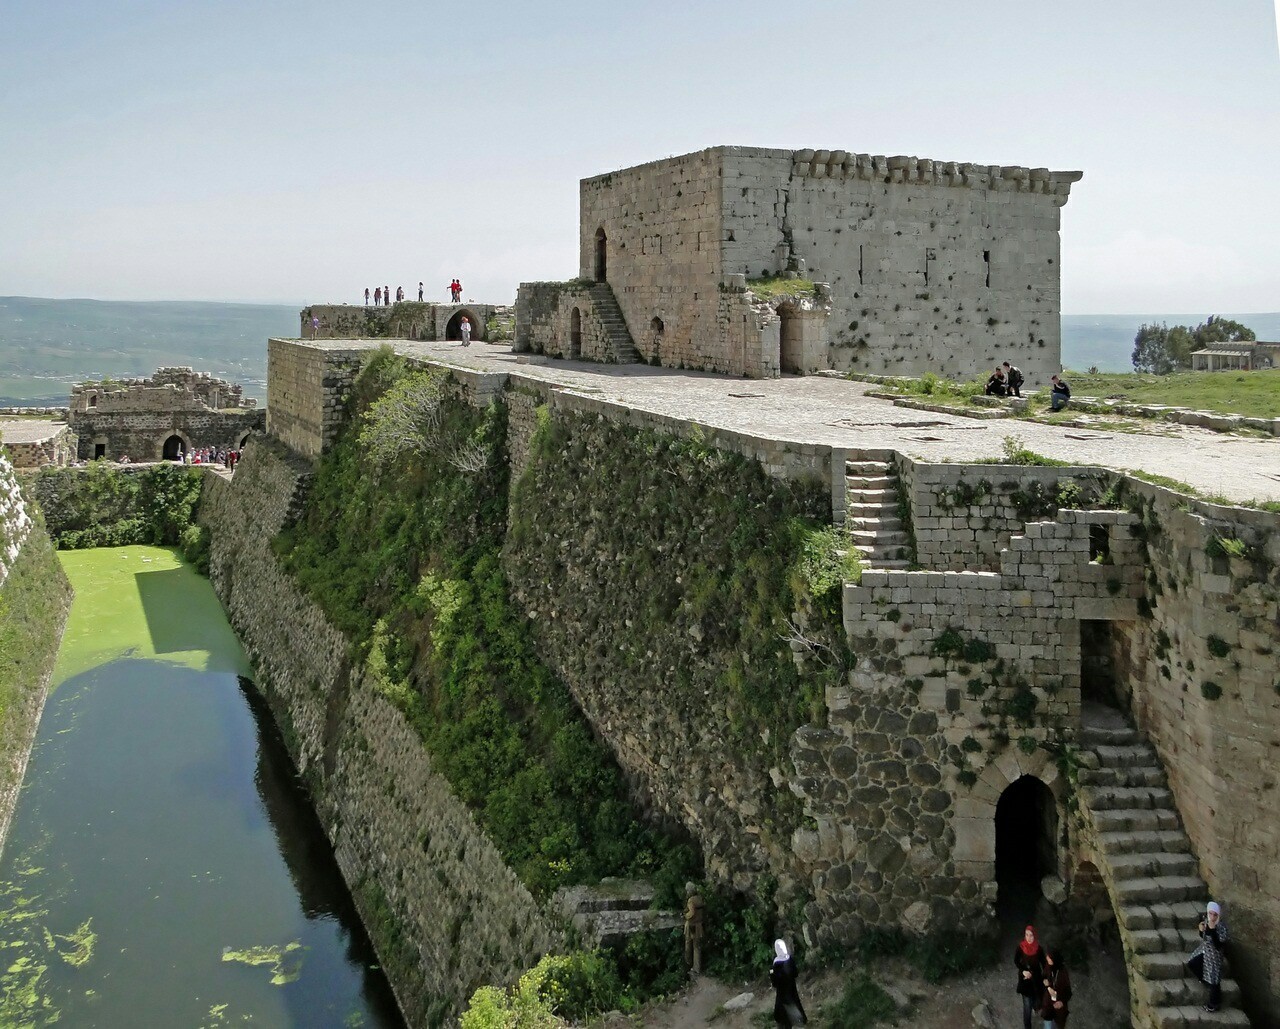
[838, 412]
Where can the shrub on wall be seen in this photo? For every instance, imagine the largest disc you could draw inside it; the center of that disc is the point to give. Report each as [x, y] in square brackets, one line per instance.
[105, 506]
[403, 556]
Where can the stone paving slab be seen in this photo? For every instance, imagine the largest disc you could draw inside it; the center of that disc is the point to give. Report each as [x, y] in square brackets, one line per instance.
[838, 413]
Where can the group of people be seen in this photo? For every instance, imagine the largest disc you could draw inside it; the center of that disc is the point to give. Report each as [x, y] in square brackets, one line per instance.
[1007, 380]
[212, 455]
[1044, 984]
[381, 295]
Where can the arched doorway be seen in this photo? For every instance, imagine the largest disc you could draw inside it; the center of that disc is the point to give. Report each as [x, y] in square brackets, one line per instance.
[243, 440]
[1026, 846]
[453, 328]
[575, 334]
[174, 447]
[602, 255]
[656, 329]
[790, 340]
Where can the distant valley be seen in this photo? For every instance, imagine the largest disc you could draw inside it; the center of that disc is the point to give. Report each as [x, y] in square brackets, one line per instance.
[46, 345]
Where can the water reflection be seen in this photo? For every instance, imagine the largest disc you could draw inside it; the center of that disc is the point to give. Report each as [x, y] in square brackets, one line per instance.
[161, 817]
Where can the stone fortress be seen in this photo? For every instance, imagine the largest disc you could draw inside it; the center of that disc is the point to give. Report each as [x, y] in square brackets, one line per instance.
[160, 417]
[920, 266]
[1062, 672]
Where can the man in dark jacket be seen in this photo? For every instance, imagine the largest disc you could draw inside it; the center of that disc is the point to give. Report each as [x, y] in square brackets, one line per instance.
[1013, 377]
[1059, 395]
[996, 385]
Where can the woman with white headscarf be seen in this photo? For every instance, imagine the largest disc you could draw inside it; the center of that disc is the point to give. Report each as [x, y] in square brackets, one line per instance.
[788, 1012]
[1206, 960]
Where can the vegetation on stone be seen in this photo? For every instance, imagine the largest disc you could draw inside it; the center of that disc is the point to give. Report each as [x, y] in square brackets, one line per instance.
[1255, 394]
[108, 506]
[776, 286]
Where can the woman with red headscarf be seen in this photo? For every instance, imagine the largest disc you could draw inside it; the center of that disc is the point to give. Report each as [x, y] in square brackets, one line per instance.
[1028, 959]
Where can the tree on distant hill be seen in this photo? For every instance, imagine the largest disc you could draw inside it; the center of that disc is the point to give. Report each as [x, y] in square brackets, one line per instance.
[1161, 349]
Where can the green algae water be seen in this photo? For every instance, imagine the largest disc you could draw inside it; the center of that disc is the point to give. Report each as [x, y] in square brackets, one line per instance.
[164, 868]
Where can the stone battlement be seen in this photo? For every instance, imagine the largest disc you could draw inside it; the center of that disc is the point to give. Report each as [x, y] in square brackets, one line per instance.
[923, 171]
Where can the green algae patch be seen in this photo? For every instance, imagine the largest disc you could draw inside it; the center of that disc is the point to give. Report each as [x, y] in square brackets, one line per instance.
[80, 944]
[143, 602]
[285, 962]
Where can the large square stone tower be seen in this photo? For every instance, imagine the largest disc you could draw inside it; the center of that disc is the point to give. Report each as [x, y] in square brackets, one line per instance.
[920, 266]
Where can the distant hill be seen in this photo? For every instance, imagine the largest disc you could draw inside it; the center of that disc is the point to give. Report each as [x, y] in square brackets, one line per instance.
[46, 345]
[1105, 341]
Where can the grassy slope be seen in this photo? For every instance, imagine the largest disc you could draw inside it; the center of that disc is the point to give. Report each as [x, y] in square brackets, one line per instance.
[1256, 394]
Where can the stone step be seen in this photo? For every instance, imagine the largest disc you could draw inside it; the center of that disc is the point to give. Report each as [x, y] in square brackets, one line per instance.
[869, 509]
[1166, 888]
[1175, 916]
[1135, 819]
[1148, 865]
[857, 483]
[894, 565]
[876, 554]
[1164, 941]
[1190, 1017]
[867, 468]
[1118, 776]
[877, 497]
[875, 523]
[1171, 841]
[1191, 993]
[1112, 798]
[1107, 735]
[1126, 755]
[894, 536]
[1169, 965]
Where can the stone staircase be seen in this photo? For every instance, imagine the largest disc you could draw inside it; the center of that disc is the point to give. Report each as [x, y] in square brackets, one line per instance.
[621, 346]
[871, 514]
[1145, 859]
[613, 910]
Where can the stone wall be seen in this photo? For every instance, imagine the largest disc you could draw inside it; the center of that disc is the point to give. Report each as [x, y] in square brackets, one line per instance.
[545, 325]
[306, 392]
[405, 320]
[1202, 678]
[444, 911]
[35, 598]
[963, 515]
[37, 444]
[662, 228]
[139, 394]
[933, 266]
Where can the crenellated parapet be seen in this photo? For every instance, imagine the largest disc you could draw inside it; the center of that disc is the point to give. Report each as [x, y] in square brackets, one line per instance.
[922, 171]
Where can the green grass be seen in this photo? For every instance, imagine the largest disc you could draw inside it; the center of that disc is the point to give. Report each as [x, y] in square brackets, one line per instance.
[776, 286]
[1255, 394]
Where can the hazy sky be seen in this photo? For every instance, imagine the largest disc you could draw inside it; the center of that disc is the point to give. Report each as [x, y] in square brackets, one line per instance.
[297, 152]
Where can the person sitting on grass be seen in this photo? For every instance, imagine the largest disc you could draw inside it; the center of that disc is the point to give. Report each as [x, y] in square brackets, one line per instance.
[1059, 394]
[996, 386]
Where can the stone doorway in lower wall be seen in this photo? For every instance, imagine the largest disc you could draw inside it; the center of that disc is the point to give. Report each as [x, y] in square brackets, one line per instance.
[1026, 847]
[1098, 664]
[174, 448]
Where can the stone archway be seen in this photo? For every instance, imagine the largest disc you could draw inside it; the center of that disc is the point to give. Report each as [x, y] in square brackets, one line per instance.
[575, 334]
[601, 256]
[1026, 825]
[173, 448]
[453, 328]
[790, 340]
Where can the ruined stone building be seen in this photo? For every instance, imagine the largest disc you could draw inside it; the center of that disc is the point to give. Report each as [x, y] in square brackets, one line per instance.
[161, 417]
[898, 265]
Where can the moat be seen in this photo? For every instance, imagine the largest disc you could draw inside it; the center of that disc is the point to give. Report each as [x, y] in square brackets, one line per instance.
[164, 866]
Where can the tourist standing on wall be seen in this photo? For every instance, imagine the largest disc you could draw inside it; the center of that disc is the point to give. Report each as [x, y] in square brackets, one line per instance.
[315, 327]
[419, 292]
[366, 296]
[465, 329]
[1028, 959]
[377, 297]
[1206, 960]
[788, 1012]
[1057, 991]
[455, 290]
